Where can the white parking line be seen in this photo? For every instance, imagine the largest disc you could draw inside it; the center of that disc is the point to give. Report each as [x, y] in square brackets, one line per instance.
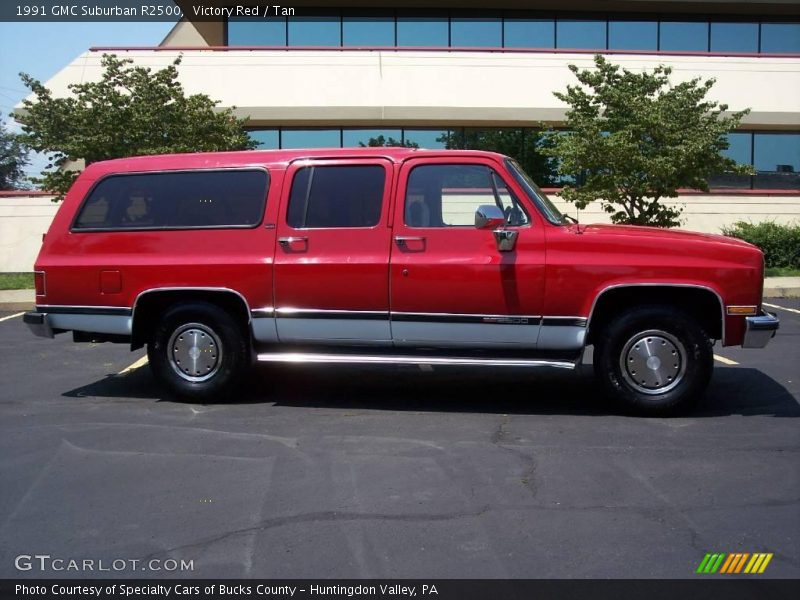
[794, 310]
[11, 317]
[139, 363]
[725, 361]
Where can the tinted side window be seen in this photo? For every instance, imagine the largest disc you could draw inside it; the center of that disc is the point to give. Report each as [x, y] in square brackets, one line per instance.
[175, 201]
[333, 196]
[449, 195]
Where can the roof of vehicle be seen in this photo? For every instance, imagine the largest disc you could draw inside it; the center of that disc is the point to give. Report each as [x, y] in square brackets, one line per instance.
[247, 158]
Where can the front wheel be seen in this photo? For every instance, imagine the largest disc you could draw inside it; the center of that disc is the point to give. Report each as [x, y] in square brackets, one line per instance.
[199, 352]
[656, 360]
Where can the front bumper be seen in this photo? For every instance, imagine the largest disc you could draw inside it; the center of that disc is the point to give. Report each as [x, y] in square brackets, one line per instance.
[39, 324]
[760, 330]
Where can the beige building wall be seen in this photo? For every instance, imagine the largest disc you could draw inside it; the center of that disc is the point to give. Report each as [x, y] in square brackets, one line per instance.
[23, 219]
[383, 88]
[709, 213]
[187, 33]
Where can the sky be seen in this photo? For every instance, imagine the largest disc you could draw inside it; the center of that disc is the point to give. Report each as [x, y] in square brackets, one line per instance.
[42, 49]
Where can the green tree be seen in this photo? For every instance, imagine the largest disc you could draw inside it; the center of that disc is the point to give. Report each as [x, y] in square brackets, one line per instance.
[634, 139]
[525, 145]
[13, 160]
[130, 111]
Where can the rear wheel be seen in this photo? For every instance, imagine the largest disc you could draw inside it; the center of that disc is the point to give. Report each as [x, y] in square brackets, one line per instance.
[655, 360]
[199, 352]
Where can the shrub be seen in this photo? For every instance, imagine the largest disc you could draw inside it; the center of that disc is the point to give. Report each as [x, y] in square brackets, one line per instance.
[779, 243]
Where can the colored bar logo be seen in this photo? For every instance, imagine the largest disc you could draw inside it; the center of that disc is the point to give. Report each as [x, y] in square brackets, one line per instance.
[737, 562]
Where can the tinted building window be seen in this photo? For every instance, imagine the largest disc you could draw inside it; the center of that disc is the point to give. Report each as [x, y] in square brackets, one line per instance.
[683, 36]
[520, 30]
[780, 37]
[354, 138]
[368, 31]
[581, 34]
[476, 32]
[503, 140]
[323, 197]
[422, 31]
[740, 146]
[199, 199]
[267, 139]
[529, 33]
[633, 35]
[257, 32]
[310, 138]
[426, 138]
[777, 160]
[314, 31]
[734, 37]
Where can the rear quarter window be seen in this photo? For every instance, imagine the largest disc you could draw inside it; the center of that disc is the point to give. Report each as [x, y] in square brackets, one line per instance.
[179, 200]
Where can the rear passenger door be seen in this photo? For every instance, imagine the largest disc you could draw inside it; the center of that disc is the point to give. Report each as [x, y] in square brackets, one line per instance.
[332, 256]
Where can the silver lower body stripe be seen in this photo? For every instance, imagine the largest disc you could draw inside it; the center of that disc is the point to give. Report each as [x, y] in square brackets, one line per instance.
[318, 357]
[113, 324]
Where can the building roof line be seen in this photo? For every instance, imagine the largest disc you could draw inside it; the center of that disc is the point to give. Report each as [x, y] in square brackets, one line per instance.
[444, 49]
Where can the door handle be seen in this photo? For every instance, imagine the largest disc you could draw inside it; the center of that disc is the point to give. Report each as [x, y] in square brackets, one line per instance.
[405, 239]
[287, 242]
[506, 239]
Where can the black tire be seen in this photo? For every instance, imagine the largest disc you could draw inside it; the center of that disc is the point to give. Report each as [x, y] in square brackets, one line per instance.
[214, 348]
[673, 355]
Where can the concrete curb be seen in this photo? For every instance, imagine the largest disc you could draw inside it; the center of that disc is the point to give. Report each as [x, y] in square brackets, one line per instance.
[782, 287]
[15, 306]
[16, 300]
[774, 287]
[782, 292]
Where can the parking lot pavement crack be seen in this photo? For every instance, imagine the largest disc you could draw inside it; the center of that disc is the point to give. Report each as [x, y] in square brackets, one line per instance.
[323, 516]
[500, 439]
[669, 509]
[499, 434]
[528, 476]
[33, 485]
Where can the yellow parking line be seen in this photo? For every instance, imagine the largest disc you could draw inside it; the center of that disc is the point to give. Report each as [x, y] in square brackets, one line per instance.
[11, 317]
[725, 361]
[139, 363]
[794, 310]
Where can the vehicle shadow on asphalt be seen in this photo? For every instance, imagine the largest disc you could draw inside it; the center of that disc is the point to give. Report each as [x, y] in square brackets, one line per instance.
[733, 390]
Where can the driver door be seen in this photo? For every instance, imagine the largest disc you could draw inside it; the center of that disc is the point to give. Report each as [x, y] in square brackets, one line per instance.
[450, 286]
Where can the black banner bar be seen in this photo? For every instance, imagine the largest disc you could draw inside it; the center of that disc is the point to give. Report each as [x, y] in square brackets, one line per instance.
[705, 587]
[36, 11]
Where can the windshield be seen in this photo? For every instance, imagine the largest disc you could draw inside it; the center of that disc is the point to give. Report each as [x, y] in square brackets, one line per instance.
[535, 194]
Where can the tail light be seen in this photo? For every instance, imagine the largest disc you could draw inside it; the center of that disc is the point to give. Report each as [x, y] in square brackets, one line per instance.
[39, 283]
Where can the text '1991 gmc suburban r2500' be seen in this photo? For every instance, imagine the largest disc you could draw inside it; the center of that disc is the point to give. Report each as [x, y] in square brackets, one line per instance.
[383, 255]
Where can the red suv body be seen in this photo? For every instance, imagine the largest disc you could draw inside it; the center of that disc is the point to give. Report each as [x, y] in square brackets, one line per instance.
[383, 255]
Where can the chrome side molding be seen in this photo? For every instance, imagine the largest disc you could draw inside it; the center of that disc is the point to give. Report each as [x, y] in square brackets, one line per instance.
[403, 359]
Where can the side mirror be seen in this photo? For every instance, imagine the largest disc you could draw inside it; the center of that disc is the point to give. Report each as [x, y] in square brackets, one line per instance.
[489, 216]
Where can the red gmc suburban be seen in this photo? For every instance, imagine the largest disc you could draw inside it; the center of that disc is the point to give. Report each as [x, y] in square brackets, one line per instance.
[383, 255]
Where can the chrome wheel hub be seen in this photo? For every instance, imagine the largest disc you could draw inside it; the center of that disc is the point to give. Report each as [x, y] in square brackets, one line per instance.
[195, 352]
[653, 362]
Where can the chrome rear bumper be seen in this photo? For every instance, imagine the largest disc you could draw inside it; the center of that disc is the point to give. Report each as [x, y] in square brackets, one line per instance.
[760, 330]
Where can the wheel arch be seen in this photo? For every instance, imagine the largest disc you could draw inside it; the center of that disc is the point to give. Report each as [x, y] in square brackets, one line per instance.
[701, 301]
[152, 303]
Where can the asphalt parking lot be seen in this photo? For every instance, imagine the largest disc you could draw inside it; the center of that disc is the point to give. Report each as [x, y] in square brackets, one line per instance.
[392, 472]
